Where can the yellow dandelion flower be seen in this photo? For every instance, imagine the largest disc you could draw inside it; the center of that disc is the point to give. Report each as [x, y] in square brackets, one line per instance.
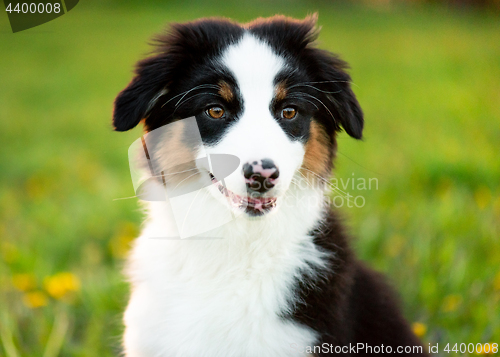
[24, 282]
[419, 329]
[60, 284]
[54, 288]
[451, 303]
[35, 299]
[70, 281]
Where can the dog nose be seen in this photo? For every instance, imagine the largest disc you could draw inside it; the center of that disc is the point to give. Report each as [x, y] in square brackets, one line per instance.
[260, 175]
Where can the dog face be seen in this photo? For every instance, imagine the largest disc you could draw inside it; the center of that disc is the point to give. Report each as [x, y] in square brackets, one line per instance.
[259, 91]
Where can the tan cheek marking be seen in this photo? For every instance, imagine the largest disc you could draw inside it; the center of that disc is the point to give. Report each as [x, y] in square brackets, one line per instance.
[317, 152]
[175, 155]
[225, 91]
[280, 91]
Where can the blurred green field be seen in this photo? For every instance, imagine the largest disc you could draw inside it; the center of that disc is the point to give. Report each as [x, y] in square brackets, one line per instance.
[427, 78]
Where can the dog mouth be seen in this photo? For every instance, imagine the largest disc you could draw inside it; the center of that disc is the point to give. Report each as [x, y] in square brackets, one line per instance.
[253, 206]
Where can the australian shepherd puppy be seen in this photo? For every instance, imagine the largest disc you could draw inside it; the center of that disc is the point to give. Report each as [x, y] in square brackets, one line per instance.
[263, 267]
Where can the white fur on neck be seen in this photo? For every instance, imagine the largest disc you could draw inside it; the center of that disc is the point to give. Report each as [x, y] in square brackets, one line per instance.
[222, 296]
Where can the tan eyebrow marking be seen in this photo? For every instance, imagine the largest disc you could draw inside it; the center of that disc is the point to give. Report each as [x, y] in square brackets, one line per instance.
[225, 91]
[280, 91]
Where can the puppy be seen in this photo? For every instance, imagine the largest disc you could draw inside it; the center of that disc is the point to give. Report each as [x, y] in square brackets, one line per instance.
[258, 264]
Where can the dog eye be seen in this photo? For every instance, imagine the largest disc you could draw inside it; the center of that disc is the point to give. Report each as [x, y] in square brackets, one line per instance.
[215, 112]
[288, 113]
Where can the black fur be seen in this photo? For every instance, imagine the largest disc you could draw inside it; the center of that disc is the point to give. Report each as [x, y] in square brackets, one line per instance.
[349, 303]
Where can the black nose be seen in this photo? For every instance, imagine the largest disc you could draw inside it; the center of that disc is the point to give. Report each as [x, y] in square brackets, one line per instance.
[260, 175]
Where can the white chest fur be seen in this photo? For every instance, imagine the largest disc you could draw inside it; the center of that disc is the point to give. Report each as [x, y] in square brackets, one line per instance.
[221, 297]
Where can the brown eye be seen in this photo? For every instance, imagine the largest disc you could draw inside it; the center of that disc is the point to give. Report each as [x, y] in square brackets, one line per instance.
[288, 113]
[215, 112]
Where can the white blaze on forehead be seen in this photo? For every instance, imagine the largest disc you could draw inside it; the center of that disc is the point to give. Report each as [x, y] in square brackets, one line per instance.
[254, 66]
[257, 134]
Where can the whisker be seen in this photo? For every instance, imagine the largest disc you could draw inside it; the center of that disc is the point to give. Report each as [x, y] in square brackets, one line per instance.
[307, 100]
[310, 86]
[336, 188]
[157, 176]
[317, 175]
[199, 172]
[124, 198]
[189, 98]
[303, 168]
[189, 90]
[175, 173]
[312, 96]
[197, 87]
[194, 95]
[318, 82]
[294, 195]
[296, 180]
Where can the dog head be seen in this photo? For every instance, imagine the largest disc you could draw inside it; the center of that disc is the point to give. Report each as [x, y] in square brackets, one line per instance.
[260, 91]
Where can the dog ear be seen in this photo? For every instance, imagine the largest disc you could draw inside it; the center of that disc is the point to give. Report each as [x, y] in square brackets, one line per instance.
[350, 112]
[336, 82]
[177, 51]
[333, 83]
[133, 103]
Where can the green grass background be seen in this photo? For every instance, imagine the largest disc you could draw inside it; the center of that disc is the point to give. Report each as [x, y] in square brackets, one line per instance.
[428, 79]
